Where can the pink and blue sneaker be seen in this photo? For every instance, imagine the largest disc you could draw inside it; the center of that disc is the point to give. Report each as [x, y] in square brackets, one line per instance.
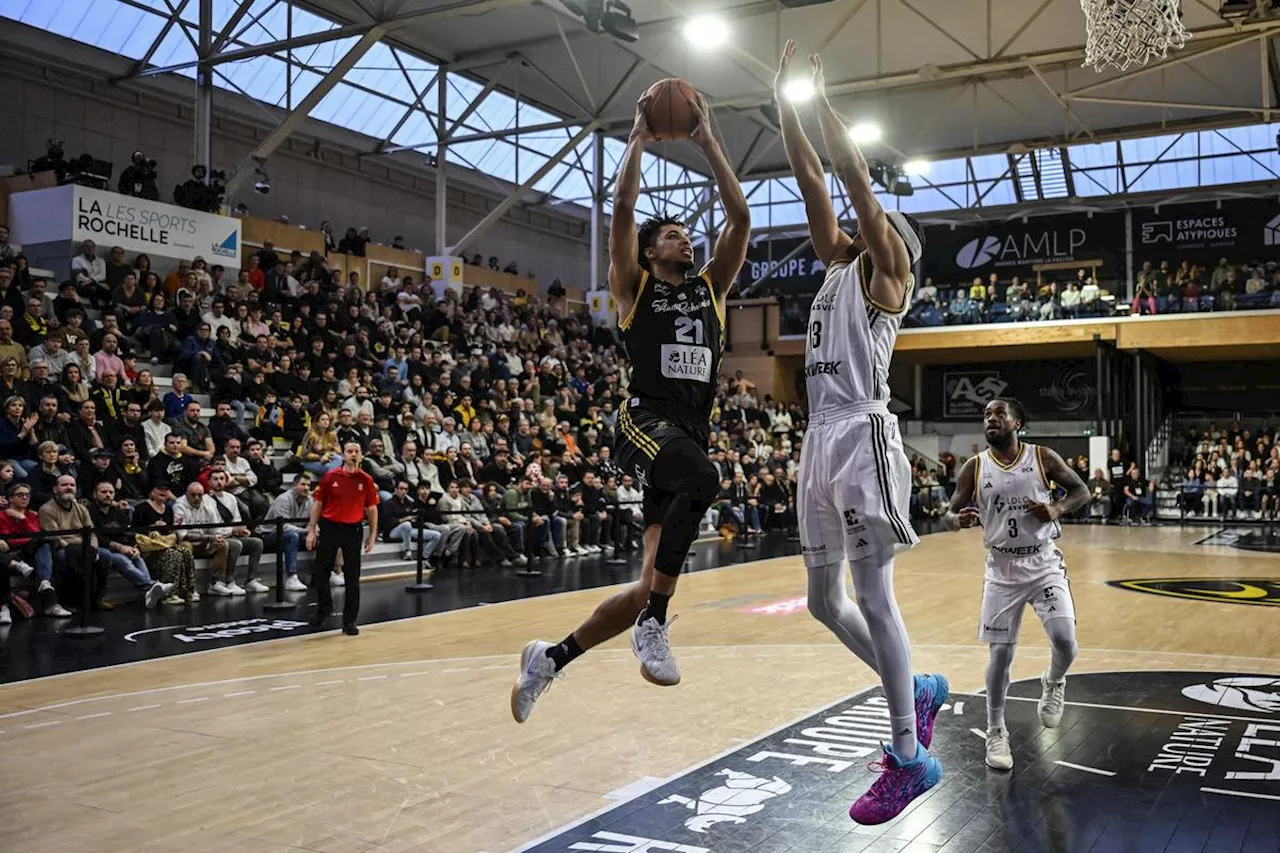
[900, 782]
[931, 692]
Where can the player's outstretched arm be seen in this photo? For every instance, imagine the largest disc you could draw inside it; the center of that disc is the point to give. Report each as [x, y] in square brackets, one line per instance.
[624, 252]
[830, 243]
[960, 513]
[888, 252]
[1056, 471]
[731, 246]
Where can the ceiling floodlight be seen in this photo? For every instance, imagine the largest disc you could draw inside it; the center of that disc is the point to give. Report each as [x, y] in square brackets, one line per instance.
[864, 132]
[706, 30]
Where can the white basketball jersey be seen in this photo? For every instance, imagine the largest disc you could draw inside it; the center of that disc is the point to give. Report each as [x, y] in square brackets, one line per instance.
[850, 339]
[1004, 494]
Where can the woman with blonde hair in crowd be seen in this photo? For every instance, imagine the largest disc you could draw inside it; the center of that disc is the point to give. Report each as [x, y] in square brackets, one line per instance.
[319, 451]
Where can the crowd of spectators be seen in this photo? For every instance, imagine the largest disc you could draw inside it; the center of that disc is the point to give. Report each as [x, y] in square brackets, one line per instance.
[1158, 289]
[1231, 472]
[486, 419]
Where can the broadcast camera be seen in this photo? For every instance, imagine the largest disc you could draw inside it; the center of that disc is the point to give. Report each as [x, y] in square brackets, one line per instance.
[138, 179]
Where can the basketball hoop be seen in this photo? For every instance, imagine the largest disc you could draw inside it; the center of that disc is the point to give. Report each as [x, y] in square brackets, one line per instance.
[1131, 32]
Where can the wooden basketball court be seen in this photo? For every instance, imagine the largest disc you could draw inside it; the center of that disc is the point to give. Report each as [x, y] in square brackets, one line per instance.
[402, 739]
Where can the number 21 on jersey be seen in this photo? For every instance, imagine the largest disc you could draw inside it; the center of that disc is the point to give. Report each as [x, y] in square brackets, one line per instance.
[689, 330]
[689, 357]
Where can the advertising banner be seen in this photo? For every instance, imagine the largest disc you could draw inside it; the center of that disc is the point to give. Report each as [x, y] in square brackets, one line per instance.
[1057, 390]
[1237, 229]
[800, 275]
[959, 255]
[166, 230]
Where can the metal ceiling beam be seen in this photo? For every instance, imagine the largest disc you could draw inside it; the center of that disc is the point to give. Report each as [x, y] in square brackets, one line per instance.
[1169, 105]
[302, 109]
[462, 7]
[224, 35]
[555, 84]
[577, 69]
[260, 50]
[476, 101]
[511, 200]
[1062, 103]
[1234, 39]
[1045, 4]
[161, 36]
[418, 98]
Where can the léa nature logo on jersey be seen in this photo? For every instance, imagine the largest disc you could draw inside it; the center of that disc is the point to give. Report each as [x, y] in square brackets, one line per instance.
[1256, 591]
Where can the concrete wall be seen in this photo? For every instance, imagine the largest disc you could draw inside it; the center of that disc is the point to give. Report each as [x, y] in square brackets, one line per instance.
[315, 176]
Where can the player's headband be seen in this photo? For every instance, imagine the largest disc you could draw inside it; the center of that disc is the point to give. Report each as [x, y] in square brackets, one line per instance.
[907, 233]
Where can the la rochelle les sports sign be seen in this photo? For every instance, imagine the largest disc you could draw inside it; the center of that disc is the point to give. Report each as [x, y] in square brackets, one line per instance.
[139, 225]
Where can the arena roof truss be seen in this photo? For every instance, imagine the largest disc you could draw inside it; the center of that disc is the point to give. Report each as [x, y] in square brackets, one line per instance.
[990, 92]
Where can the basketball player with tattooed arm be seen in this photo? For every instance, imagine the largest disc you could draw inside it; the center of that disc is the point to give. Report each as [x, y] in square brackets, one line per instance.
[671, 317]
[855, 483]
[1012, 485]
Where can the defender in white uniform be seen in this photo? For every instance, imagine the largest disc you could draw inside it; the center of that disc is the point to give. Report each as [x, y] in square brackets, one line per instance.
[855, 482]
[1012, 486]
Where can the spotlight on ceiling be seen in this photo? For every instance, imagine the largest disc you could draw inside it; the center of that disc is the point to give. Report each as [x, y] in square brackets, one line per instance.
[917, 167]
[706, 30]
[617, 21]
[609, 16]
[798, 90]
[1236, 8]
[865, 132]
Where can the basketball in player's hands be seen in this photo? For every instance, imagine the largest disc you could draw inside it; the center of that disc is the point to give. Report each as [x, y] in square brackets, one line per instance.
[669, 109]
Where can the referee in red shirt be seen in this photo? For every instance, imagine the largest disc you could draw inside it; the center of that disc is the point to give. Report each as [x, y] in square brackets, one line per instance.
[345, 498]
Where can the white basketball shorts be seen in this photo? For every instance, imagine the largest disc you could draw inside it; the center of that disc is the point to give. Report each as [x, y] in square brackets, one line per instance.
[1005, 595]
[854, 490]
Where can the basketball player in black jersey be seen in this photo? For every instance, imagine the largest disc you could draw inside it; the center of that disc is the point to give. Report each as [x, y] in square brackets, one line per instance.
[672, 320]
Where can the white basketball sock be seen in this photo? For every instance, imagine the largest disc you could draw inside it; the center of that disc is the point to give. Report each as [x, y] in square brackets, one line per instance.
[999, 664]
[873, 584]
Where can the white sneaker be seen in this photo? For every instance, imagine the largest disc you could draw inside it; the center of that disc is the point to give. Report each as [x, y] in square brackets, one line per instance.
[408, 555]
[579, 551]
[294, 585]
[537, 671]
[193, 598]
[255, 585]
[219, 589]
[506, 564]
[336, 579]
[1053, 698]
[235, 589]
[649, 642]
[5, 617]
[24, 569]
[153, 596]
[522, 560]
[998, 755]
[595, 549]
[167, 588]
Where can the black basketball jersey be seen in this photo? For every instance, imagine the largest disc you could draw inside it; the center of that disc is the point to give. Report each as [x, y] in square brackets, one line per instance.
[675, 337]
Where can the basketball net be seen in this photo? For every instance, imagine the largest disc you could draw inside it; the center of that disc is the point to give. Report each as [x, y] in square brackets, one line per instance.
[1131, 32]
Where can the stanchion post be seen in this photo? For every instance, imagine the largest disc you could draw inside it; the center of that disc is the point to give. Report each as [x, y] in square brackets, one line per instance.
[279, 603]
[615, 560]
[420, 584]
[84, 629]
